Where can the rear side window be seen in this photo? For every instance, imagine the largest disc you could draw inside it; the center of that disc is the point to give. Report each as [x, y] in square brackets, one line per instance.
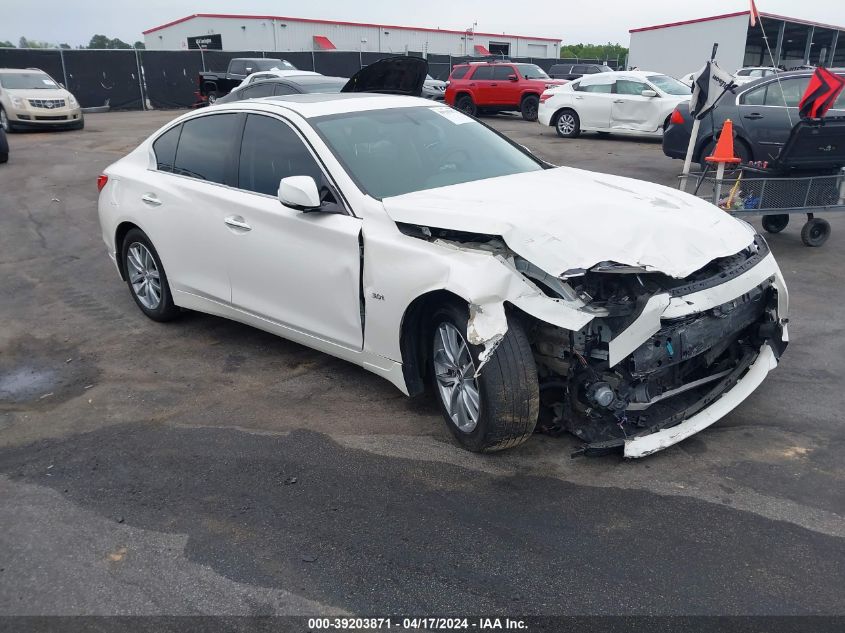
[483, 73]
[205, 146]
[784, 93]
[270, 151]
[579, 70]
[603, 88]
[258, 90]
[460, 72]
[164, 148]
[560, 69]
[285, 89]
[628, 87]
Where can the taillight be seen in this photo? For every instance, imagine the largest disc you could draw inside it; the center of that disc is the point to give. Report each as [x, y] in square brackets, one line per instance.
[677, 118]
[545, 97]
[102, 179]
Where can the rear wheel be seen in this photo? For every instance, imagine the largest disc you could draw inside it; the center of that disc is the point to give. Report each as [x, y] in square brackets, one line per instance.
[212, 97]
[775, 223]
[567, 124]
[466, 105]
[529, 107]
[496, 410]
[146, 277]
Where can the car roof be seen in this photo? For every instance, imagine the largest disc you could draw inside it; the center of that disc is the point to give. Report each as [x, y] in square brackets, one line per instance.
[297, 80]
[807, 72]
[21, 70]
[321, 104]
[625, 74]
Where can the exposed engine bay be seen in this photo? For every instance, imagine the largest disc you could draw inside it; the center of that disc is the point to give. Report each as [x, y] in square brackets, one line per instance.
[669, 374]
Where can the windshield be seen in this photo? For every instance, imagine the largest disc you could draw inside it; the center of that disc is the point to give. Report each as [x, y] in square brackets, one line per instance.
[27, 81]
[669, 85]
[274, 64]
[532, 71]
[400, 150]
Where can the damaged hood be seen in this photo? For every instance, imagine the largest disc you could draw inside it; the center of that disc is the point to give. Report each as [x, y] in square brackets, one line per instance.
[563, 219]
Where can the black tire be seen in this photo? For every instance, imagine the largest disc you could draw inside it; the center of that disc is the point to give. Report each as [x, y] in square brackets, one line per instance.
[79, 125]
[815, 232]
[529, 107]
[775, 223]
[211, 97]
[508, 388]
[165, 310]
[4, 157]
[4, 119]
[740, 150]
[572, 131]
[466, 105]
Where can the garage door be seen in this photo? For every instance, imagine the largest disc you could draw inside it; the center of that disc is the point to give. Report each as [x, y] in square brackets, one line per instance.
[536, 50]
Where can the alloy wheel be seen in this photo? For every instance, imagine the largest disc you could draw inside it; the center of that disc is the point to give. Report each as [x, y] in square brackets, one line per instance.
[4, 120]
[566, 123]
[455, 372]
[144, 275]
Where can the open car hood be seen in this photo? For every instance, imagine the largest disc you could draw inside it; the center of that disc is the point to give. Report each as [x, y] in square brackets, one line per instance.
[566, 219]
[391, 75]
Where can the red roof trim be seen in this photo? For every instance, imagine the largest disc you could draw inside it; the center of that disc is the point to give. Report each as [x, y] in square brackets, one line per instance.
[696, 21]
[737, 14]
[339, 23]
[324, 43]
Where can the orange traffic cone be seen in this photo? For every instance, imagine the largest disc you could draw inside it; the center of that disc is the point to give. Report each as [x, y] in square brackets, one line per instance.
[724, 152]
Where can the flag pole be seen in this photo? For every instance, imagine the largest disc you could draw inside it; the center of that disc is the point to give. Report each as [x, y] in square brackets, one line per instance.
[696, 124]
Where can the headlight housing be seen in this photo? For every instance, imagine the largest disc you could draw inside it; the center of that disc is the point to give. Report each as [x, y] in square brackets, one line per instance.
[72, 101]
[17, 102]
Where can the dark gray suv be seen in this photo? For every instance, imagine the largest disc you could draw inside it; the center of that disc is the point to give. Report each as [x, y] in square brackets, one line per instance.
[576, 71]
[763, 113]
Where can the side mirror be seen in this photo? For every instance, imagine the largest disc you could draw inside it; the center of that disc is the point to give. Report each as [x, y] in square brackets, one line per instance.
[299, 192]
[648, 93]
[248, 70]
[513, 78]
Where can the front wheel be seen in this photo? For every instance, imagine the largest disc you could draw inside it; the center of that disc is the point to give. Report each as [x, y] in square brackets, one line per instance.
[212, 97]
[567, 124]
[146, 277]
[815, 232]
[529, 107]
[497, 409]
[4, 120]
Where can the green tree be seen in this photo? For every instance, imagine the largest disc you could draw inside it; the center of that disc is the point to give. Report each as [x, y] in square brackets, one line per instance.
[27, 43]
[602, 52]
[102, 41]
[140, 45]
[6, 44]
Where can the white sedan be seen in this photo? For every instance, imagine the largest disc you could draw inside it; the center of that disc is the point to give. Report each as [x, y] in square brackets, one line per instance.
[275, 73]
[414, 241]
[624, 102]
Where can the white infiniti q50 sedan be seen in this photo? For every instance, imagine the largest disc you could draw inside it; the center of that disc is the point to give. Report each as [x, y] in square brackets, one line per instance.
[418, 243]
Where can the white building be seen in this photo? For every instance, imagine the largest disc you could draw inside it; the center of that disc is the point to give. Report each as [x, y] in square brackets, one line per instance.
[277, 33]
[683, 47]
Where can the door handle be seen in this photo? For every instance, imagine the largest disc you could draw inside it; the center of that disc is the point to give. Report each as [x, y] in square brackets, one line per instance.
[237, 222]
[151, 200]
[753, 116]
[579, 98]
[494, 85]
[619, 101]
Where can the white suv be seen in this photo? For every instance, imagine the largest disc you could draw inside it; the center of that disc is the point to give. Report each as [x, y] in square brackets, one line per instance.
[31, 98]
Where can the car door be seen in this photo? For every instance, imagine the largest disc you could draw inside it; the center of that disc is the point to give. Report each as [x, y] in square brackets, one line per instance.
[181, 203]
[298, 269]
[769, 112]
[481, 84]
[631, 110]
[592, 101]
[503, 90]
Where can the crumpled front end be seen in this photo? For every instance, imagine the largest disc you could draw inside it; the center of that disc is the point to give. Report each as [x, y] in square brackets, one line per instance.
[662, 358]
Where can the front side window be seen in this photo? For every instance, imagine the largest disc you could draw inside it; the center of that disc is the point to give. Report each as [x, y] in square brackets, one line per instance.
[270, 151]
[579, 70]
[238, 68]
[502, 73]
[628, 87]
[600, 88]
[783, 93]
[257, 91]
[36, 80]
[205, 146]
[397, 151]
[531, 71]
[164, 149]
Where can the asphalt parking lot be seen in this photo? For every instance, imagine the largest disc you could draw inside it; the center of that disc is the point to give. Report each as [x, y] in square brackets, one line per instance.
[204, 467]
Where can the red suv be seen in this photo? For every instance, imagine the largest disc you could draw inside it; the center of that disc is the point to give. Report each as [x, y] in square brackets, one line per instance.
[498, 86]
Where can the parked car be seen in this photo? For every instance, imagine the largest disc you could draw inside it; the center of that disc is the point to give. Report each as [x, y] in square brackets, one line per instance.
[214, 84]
[273, 74]
[763, 114]
[408, 238]
[623, 102]
[750, 73]
[434, 89]
[295, 84]
[576, 71]
[30, 98]
[4, 147]
[498, 86]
